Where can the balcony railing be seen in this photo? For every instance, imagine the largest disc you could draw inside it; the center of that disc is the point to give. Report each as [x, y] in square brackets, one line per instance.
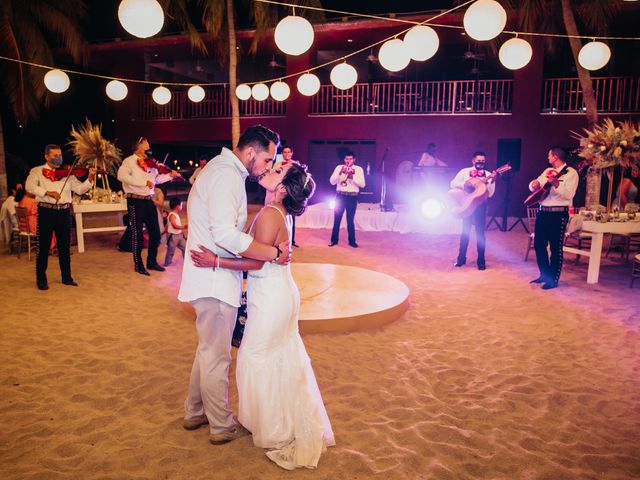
[215, 104]
[613, 95]
[415, 98]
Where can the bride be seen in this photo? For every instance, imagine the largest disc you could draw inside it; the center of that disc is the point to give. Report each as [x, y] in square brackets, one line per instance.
[280, 403]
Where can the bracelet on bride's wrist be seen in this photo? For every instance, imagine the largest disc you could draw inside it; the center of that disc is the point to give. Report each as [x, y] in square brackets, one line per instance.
[277, 255]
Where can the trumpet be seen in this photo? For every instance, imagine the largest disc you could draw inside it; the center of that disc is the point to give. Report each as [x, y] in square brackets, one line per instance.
[345, 174]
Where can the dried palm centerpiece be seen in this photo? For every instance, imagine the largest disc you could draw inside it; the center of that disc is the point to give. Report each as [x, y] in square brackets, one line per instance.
[92, 150]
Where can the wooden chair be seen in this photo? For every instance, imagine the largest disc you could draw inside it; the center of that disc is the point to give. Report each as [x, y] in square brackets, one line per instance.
[532, 212]
[635, 269]
[627, 243]
[23, 226]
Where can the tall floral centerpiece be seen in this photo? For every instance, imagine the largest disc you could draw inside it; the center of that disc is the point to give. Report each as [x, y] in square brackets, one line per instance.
[92, 150]
[610, 145]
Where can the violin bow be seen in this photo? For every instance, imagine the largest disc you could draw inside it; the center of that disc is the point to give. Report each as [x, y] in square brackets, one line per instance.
[75, 160]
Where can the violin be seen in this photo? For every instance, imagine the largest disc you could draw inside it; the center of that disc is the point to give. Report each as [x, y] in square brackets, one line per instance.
[76, 172]
[161, 167]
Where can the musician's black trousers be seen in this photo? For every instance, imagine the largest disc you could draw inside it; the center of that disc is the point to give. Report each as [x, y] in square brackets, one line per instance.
[50, 221]
[348, 203]
[143, 212]
[477, 219]
[550, 228]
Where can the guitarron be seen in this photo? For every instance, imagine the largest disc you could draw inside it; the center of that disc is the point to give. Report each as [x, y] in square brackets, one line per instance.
[465, 201]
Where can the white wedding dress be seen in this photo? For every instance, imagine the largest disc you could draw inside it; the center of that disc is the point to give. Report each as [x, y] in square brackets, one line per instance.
[280, 402]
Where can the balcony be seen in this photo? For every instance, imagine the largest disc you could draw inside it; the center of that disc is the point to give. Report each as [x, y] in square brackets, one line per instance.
[613, 95]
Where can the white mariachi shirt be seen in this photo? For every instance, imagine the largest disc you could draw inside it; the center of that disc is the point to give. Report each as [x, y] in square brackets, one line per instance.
[134, 178]
[466, 173]
[353, 184]
[563, 195]
[39, 184]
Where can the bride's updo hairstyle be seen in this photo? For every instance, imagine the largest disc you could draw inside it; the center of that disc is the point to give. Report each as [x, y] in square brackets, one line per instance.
[300, 187]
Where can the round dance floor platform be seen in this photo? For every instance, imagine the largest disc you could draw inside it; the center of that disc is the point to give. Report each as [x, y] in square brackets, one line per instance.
[340, 298]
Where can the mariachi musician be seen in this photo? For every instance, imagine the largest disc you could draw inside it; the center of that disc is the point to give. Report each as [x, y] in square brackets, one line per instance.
[139, 176]
[479, 216]
[348, 179]
[53, 187]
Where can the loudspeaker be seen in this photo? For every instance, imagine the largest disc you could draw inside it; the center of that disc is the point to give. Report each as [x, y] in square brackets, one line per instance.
[509, 150]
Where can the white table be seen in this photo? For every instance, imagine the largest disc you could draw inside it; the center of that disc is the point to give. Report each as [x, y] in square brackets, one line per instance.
[598, 229]
[80, 208]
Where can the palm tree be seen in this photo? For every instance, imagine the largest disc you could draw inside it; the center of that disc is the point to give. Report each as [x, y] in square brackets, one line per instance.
[27, 30]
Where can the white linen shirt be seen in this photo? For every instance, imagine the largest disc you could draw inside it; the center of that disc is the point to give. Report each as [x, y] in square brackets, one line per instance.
[463, 175]
[134, 179]
[353, 184]
[217, 213]
[563, 195]
[39, 185]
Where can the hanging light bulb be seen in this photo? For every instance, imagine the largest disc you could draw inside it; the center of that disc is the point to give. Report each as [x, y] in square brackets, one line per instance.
[484, 20]
[421, 42]
[116, 90]
[393, 55]
[293, 35]
[515, 53]
[594, 55]
[243, 91]
[280, 91]
[161, 95]
[260, 92]
[308, 84]
[57, 81]
[195, 93]
[141, 18]
[343, 76]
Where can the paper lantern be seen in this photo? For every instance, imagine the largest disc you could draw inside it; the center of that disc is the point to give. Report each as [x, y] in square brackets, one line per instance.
[280, 91]
[260, 92]
[343, 76]
[515, 53]
[421, 42]
[484, 20]
[57, 81]
[243, 91]
[308, 84]
[594, 55]
[116, 90]
[161, 95]
[141, 18]
[393, 55]
[293, 35]
[196, 93]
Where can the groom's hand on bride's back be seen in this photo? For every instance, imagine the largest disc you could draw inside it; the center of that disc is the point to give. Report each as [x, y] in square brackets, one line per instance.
[285, 258]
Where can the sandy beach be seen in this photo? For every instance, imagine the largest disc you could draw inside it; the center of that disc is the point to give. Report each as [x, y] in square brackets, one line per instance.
[485, 376]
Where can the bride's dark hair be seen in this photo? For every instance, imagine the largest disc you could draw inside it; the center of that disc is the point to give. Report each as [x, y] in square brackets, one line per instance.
[300, 187]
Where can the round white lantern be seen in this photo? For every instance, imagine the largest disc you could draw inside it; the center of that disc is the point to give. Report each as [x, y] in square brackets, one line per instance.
[243, 91]
[343, 76]
[293, 35]
[161, 95]
[260, 92]
[515, 53]
[195, 93]
[280, 91]
[393, 55]
[421, 42]
[141, 18]
[308, 84]
[484, 20]
[116, 90]
[57, 81]
[594, 55]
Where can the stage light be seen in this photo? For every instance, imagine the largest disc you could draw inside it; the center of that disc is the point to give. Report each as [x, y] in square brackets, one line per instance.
[161, 95]
[515, 53]
[484, 20]
[421, 42]
[141, 18]
[116, 90]
[343, 76]
[57, 81]
[196, 93]
[280, 91]
[332, 204]
[243, 91]
[308, 84]
[393, 55]
[293, 35]
[594, 55]
[431, 208]
[260, 92]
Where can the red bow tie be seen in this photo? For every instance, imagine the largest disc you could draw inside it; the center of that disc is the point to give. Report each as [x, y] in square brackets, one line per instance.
[477, 173]
[143, 165]
[50, 174]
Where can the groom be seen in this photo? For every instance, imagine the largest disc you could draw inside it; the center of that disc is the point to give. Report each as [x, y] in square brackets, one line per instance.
[217, 212]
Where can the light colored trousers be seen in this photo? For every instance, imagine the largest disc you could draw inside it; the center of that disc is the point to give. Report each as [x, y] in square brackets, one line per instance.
[209, 383]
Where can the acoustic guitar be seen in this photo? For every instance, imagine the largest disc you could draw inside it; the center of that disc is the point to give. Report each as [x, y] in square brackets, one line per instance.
[465, 201]
[539, 194]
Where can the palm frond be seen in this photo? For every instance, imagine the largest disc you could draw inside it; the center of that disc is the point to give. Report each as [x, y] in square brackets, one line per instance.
[178, 11]
[597, 14]
[91, 149]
